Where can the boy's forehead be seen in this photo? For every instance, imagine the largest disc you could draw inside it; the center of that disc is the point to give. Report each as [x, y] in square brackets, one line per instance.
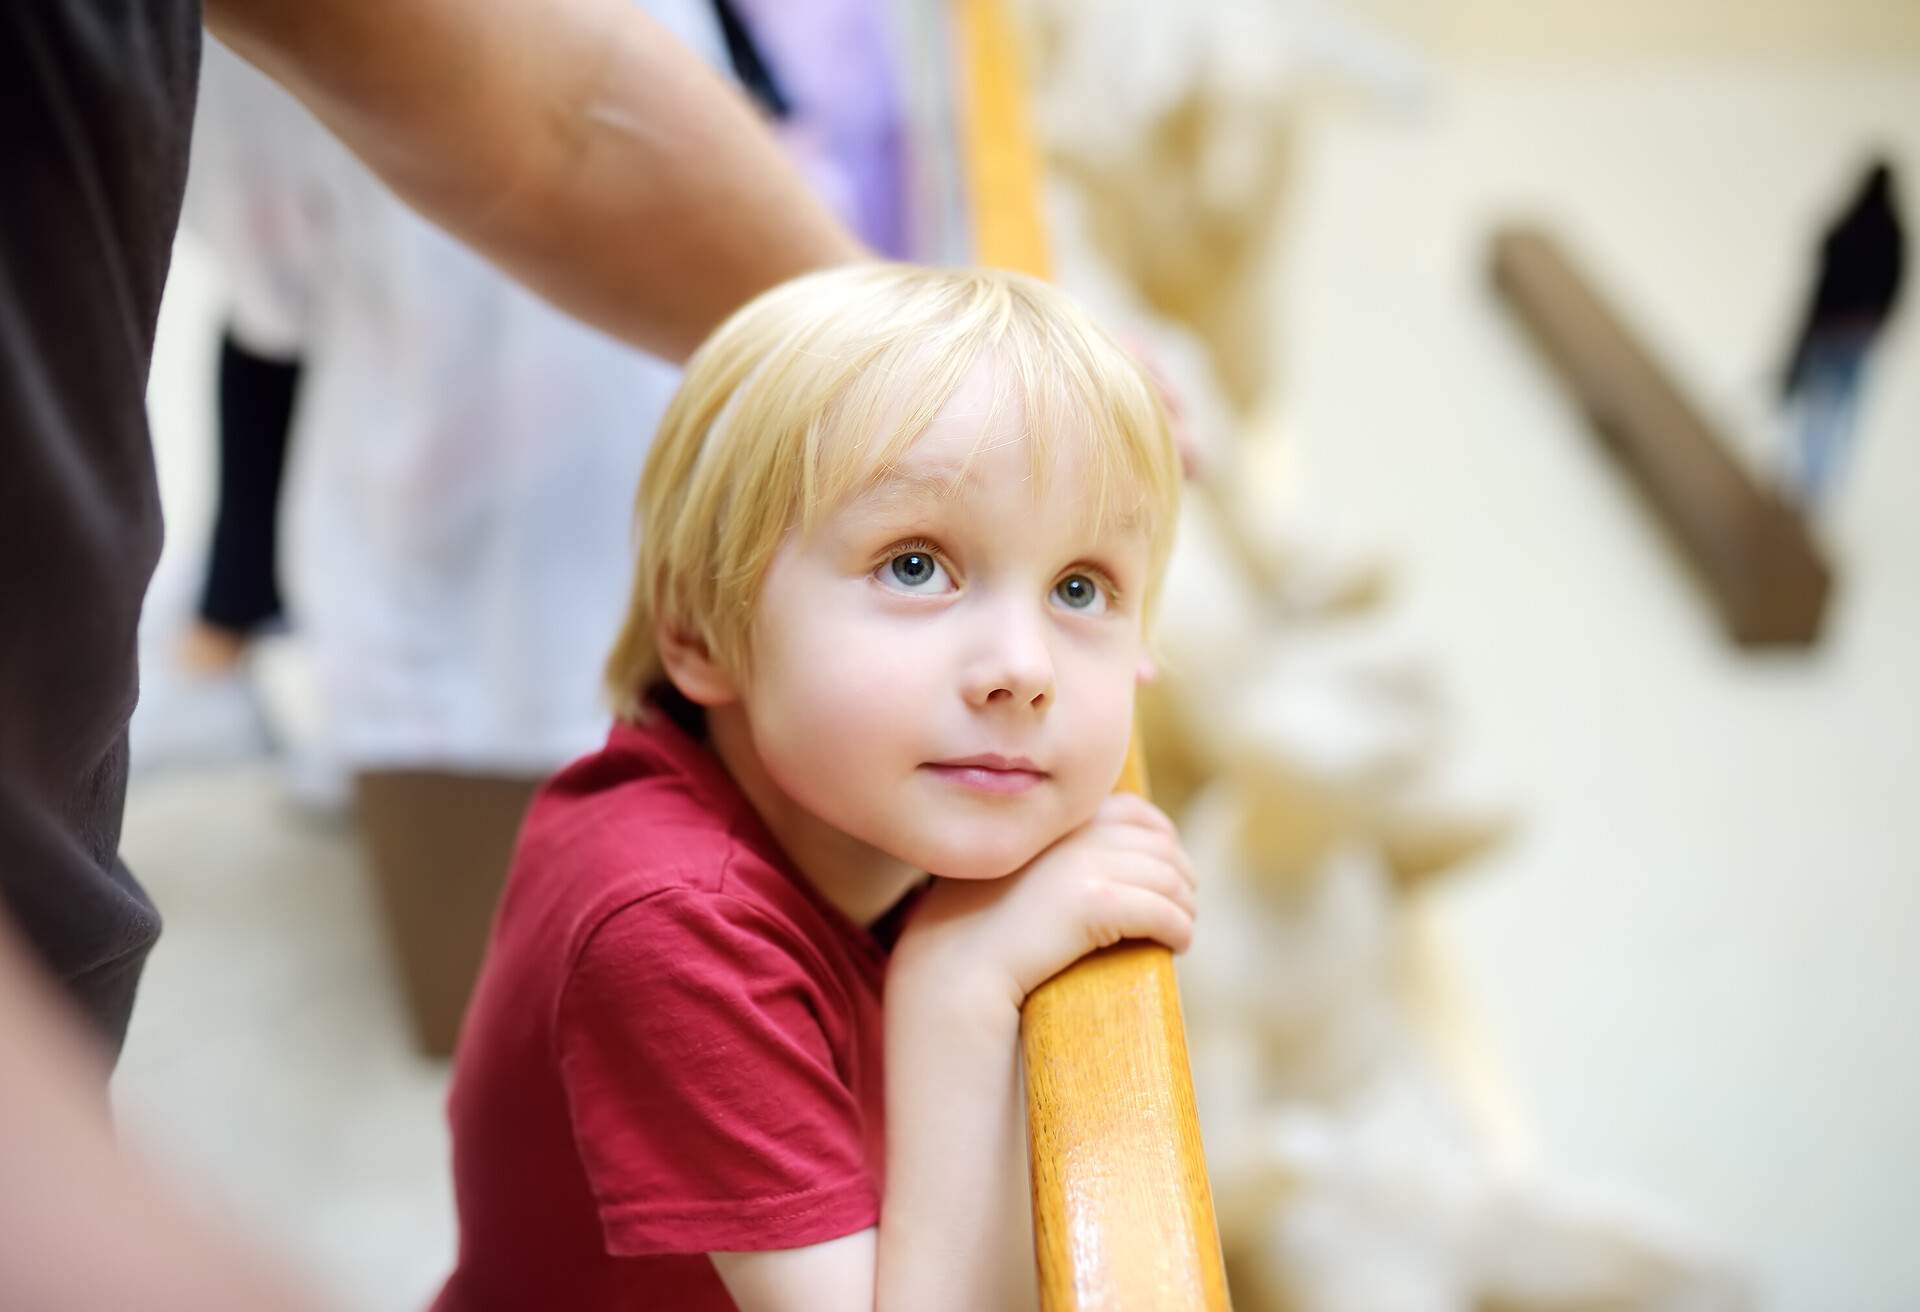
[906, 482]
[944, 470]
[961, 456]
[979, 445]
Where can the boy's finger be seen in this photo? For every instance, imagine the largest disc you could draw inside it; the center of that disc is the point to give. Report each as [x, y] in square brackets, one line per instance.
[1143, 913]
[1160, 848]
[1186, 866]
[1131, 808]
[1163, 877]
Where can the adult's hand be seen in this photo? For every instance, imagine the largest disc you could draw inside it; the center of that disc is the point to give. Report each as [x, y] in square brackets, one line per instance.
[82, 1226]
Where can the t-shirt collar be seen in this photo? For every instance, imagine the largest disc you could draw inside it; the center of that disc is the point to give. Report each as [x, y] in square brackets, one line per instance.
[665, 737]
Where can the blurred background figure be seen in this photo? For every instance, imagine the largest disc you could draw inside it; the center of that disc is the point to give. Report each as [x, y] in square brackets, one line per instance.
[241, 596]
[255, 198]
[108, 98]
[199, 704]
[460, 461]
[453, 543]
[1862, 263]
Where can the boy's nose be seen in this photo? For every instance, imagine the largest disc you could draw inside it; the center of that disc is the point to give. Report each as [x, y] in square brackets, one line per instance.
[1014, 667]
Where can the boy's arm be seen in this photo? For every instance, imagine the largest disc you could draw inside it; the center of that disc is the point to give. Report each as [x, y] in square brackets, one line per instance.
[955, 1229]
[955, 1221]
[835, 1275]
[574, 142]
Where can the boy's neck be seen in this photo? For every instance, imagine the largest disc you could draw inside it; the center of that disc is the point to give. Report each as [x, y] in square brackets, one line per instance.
[861, 881]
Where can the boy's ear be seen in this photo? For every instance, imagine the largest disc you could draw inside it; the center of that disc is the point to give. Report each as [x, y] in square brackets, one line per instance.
[692, 668]
[1147, 672]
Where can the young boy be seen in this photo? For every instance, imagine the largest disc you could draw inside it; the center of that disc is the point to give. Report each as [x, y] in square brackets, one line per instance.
[900, 534]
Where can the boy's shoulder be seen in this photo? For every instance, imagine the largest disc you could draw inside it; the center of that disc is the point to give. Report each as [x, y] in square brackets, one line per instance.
[652, 810]
[652, 832]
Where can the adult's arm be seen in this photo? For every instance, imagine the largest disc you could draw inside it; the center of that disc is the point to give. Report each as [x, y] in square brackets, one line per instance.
[82, 1227]
[576, 143]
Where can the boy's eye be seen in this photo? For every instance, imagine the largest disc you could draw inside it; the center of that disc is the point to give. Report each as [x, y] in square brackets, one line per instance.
[915, 571]
[1081, 593]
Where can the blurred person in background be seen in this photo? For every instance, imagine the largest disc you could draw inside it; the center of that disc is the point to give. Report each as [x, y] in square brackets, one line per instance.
[240, 596]
[246, 199]
[458, 516]
[517, 124]
[1862, 264]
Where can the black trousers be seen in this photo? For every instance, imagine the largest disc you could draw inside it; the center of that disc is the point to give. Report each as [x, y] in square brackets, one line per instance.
[98, 98]
[242, 590]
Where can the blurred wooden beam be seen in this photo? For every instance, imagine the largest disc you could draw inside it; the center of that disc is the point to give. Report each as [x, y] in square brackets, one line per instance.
[1749, 549]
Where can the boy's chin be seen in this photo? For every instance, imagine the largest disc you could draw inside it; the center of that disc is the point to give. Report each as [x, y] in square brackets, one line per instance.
[972, 859]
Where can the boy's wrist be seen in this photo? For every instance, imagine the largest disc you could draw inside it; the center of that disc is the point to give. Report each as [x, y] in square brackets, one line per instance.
[961, 996]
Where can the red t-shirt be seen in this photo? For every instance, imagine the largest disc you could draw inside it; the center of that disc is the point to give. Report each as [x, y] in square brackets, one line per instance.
[674, 1047]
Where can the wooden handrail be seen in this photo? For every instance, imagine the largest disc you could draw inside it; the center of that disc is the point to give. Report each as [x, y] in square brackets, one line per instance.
[1122, 1211]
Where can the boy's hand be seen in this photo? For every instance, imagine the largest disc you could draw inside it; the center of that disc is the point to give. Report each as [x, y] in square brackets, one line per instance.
[957, 1224]
[1121, 875]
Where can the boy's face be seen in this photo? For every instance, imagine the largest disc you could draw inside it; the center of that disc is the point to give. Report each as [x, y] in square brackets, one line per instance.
[944, 669]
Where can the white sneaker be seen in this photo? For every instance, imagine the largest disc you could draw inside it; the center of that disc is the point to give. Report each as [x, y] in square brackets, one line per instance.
[315, 780]
[188, 720]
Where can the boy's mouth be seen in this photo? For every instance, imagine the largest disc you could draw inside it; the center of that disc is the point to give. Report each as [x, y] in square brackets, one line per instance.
[989, 772]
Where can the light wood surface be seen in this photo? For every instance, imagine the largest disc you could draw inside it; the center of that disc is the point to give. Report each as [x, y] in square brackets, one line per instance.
[1123, 1213]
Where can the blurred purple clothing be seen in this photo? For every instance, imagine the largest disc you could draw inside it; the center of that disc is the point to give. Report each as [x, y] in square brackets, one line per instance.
[834, 61]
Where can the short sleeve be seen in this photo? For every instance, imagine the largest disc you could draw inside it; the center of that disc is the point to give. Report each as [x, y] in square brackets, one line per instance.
[706, 1103]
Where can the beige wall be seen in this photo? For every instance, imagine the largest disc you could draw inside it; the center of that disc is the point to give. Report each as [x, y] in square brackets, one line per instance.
[1611, 28]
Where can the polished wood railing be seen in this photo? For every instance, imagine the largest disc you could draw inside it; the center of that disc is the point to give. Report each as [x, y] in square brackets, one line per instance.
[1123, 1214]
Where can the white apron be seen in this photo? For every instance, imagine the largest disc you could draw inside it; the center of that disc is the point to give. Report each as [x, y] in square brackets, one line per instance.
[456, 522]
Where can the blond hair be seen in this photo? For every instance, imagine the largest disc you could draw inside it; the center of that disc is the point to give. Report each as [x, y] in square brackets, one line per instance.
[816, 387]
